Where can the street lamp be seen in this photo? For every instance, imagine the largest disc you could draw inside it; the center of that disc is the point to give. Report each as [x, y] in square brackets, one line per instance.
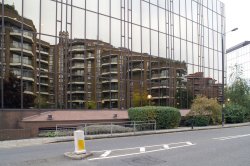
[223, 70]
[149, 97]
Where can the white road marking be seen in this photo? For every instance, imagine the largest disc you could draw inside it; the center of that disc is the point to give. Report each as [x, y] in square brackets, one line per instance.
[165, 146]
[141, 148]
[189, 143]
[231, 137]
[106, 153]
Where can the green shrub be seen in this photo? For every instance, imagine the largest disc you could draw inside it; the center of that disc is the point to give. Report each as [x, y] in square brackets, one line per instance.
[202, 106]
[197, 121]
[235, 113]
[165, 117]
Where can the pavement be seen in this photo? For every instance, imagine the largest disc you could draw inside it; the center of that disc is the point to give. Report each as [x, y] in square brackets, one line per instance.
[48, 140]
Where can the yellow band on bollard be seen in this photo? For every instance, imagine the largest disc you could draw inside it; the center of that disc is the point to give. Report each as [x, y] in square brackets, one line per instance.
[81, 145]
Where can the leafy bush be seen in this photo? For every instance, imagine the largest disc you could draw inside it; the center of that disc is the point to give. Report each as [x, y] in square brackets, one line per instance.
[165, 117]
[197, 121]
[202, 106]
[235, 113]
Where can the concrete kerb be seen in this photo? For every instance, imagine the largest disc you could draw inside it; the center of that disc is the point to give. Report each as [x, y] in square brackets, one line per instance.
[39, 141]
[74, 156]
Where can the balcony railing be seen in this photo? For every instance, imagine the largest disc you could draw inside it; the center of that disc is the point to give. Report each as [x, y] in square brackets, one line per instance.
[26, 33]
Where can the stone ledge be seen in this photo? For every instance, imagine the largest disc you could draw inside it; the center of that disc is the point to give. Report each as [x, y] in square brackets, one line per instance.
[74, 156]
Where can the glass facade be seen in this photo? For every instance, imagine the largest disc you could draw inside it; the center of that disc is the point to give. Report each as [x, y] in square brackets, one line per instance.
[105, 54]
[239, 55]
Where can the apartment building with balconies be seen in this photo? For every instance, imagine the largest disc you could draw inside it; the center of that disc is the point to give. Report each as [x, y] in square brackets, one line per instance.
[167, 77]
[42, 70]
[19, 55]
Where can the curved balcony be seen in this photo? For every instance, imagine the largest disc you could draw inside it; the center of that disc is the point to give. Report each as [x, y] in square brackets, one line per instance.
[20, 64]
[112, 80]
[160, 97]
[109, 72]
[137, 69]
[77, 82]
[78, 58]
[159, 87]
[105, 56]
[18, 33]
[42, 52]
[27, 78]
[43, 84]
[105, 100]
[42, 69]
[109, 63]
[78, 48]
[78, 66]
[158, 76]
[76, 92]
[76, 101]
[28, 92]
[110, 91]
[43, 61]
[19, 49]
[43, 93]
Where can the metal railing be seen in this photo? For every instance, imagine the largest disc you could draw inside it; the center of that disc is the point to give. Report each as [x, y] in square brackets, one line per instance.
[107, 128]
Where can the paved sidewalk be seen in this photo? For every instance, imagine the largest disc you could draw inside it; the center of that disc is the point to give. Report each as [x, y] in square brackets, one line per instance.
[40, 141]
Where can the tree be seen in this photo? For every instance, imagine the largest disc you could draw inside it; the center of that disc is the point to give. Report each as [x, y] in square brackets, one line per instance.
[43, 102]
[202, 106]
[183, 98]
[12, 94]
[140, 98]
[91, 105]
[238, 91]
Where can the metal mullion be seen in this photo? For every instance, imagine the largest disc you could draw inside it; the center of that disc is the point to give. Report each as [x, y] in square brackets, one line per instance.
[2, 58]
[98, 56]
[167, 38]
[150, 49]
[160, 100]
[71, 25]
[22, 89]
[66, 58]
[142, 76]
[130, 50]
[39, 75]
[56, 65]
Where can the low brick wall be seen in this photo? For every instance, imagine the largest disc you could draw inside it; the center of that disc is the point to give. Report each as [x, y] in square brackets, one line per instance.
[12, 134]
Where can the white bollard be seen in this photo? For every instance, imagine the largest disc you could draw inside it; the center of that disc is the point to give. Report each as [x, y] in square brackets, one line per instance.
[79, 142]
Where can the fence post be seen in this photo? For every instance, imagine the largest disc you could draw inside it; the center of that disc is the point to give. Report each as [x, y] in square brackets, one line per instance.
[155, 126]
[134, 127]
[111, 128]
[85, 129]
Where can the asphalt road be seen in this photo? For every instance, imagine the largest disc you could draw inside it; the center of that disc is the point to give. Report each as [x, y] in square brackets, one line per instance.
[220, 147]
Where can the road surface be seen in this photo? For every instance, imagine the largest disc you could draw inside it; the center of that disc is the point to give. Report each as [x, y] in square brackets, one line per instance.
[220, 147]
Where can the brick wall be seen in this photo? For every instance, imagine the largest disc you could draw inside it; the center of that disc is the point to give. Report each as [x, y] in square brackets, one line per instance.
[10, 118]
[12, 134]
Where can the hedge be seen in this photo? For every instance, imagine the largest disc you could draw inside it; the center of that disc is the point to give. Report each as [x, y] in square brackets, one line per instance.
[165, 117]
[235, 113]
[197, 120]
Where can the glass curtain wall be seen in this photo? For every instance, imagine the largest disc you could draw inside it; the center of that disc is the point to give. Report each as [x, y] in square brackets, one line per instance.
[110, 54]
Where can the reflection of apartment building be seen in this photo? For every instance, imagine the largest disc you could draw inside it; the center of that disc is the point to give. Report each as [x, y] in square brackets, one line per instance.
[167, 77]
[42, 68]
[19, 49]
[200, 85]
[239, 55]
[24, 55]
